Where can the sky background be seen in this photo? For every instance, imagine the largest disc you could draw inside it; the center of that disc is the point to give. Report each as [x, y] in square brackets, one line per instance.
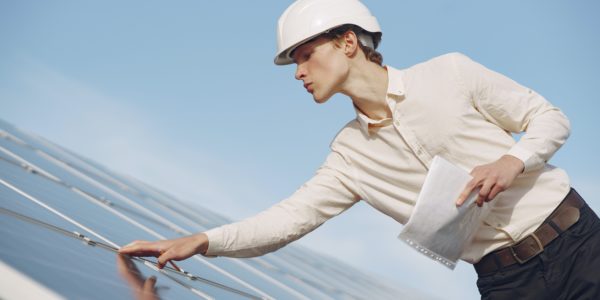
[184, 95]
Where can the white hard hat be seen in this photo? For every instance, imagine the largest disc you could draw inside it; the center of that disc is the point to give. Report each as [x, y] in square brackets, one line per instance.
[305, 19]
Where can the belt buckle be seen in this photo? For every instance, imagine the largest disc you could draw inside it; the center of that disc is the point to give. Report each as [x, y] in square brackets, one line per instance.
[538, 251]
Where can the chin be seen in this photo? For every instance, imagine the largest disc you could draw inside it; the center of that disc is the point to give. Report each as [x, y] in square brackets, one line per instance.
[321, 99]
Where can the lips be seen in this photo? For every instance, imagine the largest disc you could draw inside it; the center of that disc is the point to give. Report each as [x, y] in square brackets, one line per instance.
[308, 87]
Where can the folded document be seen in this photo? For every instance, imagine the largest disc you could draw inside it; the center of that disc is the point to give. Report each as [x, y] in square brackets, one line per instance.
[438, 228]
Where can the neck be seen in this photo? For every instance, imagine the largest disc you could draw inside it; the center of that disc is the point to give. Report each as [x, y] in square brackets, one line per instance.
[367, 85]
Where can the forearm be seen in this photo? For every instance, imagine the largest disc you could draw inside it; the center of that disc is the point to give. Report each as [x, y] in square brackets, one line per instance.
[515, 108]
[263, 233]
[544, 134]
[324, 196]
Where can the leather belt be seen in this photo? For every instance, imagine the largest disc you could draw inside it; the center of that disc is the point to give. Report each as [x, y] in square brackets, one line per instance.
[563, 217]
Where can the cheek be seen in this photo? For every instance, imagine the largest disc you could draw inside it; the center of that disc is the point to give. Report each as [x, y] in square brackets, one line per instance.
[337, 69]
[330, 71]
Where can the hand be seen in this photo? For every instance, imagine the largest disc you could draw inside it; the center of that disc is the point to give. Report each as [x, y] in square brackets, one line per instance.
[167, 250]
[143, 288]
[492, 179]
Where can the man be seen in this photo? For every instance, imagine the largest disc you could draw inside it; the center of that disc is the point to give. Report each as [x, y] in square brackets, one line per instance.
[538, 241]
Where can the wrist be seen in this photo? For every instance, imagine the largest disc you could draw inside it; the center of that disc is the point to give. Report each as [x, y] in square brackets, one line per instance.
[517, 164]
[202, 243]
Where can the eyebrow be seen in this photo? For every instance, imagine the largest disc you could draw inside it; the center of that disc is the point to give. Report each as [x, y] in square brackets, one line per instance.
[310, 49]
[292, 55]
[303, 44]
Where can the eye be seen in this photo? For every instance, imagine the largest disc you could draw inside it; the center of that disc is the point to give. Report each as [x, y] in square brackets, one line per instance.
[306, 56]
[300, 57]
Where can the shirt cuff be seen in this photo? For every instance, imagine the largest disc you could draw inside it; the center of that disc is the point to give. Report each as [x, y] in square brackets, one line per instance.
[530, 160]
[215, 242]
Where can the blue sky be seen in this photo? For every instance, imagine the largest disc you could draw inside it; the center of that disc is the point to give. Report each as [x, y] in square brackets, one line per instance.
[184, 95]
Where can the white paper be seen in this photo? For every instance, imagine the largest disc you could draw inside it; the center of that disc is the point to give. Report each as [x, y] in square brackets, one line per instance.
[438, 228]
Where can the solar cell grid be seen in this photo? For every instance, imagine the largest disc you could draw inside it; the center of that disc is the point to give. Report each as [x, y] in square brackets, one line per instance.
[18, 203]
[61, 196]
[52, 185]
[108, 226]
[85, 269]
[261, 278]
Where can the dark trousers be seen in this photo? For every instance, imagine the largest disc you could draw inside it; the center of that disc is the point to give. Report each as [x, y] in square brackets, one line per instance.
[569, 268]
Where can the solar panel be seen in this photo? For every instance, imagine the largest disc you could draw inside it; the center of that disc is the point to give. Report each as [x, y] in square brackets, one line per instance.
[62, 216]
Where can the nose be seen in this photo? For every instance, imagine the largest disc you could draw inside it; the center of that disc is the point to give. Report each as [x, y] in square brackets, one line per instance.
[300, 72]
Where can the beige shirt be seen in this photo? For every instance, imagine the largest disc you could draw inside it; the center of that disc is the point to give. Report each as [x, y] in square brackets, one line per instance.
[449, 106]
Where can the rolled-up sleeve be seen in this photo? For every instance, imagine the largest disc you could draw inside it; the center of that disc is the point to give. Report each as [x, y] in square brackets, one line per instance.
[517, 109]
[327, 194]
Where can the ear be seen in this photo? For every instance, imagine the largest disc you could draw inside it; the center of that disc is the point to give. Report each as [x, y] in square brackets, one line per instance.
[350, 43]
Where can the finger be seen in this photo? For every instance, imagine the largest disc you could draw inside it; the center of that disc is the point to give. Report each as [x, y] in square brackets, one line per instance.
[141, 249]
[177, 268]
[126, 247]
[484, 192]
[164, 259]
[466, 192]
[480, 200]
[130, 246]
[495, 191]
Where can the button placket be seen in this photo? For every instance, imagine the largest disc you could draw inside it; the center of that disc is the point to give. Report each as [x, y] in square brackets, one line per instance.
[412, 143]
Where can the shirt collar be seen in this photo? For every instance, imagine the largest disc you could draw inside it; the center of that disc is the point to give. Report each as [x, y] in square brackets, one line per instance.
[395, 92]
